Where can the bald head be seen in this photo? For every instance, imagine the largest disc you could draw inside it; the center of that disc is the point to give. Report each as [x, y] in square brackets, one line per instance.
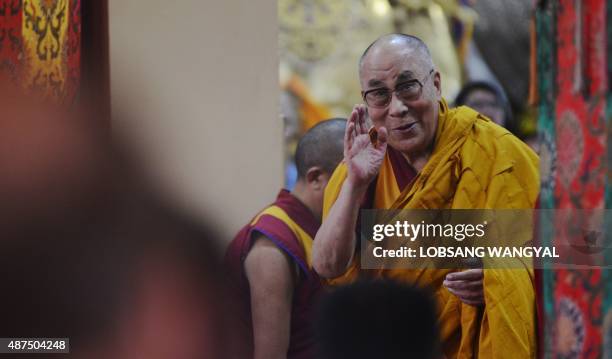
[322, 146]
[397, 42]
[402, 62]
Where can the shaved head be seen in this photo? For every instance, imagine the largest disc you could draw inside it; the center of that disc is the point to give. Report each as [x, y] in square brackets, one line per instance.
[390, 41]
[322, 146]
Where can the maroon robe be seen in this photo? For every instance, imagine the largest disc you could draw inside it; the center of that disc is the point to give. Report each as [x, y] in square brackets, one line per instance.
[301, 344]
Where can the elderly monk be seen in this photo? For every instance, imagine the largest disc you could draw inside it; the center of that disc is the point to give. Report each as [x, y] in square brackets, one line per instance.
[270, 258]
[428, 156]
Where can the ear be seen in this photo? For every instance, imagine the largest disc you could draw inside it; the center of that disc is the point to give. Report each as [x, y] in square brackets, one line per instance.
[437, 81]
[314, 177]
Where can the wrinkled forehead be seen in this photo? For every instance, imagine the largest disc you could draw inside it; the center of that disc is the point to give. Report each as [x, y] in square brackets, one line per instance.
[385, 66]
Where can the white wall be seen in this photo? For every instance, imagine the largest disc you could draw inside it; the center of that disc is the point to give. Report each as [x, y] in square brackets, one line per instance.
[201, 78]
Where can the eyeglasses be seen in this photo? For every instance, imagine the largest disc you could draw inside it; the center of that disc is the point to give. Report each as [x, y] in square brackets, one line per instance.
[407, 91]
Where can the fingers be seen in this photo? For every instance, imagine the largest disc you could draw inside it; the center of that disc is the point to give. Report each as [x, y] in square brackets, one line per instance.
[360, 143]
[382, 135]
[355, 127]
[463, 285]
[469, 275]
[381, 140]
[467, 294]
[474, 303]
[472, 297]
[349, 132]
[467, 286]
[361, 119]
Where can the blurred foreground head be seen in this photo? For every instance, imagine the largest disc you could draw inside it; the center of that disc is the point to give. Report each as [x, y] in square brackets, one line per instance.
[88, 252]
[377, 319]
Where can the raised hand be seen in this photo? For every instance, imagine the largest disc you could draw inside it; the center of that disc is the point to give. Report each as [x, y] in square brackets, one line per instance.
[361, 156]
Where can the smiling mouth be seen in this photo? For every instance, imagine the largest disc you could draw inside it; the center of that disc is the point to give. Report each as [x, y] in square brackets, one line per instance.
[405, 127]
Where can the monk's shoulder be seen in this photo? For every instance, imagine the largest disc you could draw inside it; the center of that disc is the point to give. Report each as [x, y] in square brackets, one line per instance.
[491, 150]
[489, 141]
[482, 137]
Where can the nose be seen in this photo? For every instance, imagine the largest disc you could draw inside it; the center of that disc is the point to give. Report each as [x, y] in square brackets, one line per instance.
[397, 108]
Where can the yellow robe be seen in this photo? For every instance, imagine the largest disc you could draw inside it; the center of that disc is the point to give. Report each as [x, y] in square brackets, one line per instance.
[475, 165]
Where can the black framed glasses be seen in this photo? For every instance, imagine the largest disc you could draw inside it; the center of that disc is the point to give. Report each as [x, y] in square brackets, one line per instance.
[408, 91]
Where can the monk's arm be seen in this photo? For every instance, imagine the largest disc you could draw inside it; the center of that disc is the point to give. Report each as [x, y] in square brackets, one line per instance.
[334, 244]
[272, 276]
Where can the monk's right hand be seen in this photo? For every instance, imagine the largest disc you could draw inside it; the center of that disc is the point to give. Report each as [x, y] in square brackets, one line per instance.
[360, 155]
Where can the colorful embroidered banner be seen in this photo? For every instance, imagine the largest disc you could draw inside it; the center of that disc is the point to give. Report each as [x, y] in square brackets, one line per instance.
[572, 48]
[40, 46]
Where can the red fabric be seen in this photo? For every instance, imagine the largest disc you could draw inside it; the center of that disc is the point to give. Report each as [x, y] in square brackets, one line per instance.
[11, 43]
[73, 51]
[27, 59]
[581, 177]
[404, 173]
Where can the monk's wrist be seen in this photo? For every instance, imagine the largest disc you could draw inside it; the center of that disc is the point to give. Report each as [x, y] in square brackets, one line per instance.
[354, 189]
